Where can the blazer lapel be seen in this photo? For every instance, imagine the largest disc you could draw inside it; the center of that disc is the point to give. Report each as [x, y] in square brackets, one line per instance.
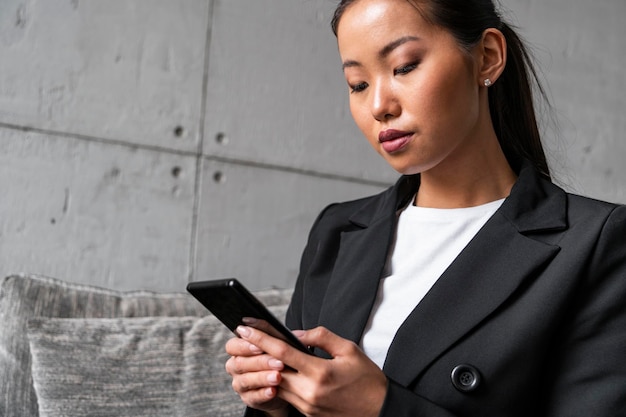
[465, 295]
[495, 263]
[360, 262]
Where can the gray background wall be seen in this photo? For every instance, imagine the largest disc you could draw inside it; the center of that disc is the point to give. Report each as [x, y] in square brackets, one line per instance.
[146, 143]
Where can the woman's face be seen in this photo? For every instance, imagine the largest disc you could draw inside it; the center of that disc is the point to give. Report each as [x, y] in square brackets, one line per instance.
[414, 92]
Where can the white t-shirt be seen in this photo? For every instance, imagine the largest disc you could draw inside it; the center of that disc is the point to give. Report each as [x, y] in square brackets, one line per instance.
[427, 241]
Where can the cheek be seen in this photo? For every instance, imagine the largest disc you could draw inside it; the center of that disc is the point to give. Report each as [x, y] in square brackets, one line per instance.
[363, 119]
[451, 101]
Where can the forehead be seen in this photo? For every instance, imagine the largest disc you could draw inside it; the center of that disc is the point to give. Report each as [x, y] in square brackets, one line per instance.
[367, 23]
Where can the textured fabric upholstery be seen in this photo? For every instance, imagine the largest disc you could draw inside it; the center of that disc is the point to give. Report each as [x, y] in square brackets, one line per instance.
[133, 367]
[74, 329]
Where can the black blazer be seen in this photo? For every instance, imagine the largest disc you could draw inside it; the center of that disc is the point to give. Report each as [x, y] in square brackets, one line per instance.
[529, 320]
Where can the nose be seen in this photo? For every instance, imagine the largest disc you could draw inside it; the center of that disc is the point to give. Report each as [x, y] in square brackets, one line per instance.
[384, 102]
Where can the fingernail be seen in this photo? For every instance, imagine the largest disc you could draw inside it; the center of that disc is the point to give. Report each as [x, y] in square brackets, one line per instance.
[272, 378]
[243, 331]
[298, 333]
[269, 393]
[275, 363]
[249, 320]
[255, 349]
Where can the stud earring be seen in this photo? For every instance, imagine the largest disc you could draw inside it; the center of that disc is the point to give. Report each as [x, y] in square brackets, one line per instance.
[488, 82]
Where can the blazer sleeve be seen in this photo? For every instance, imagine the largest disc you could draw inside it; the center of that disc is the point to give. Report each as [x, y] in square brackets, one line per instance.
[293, 318]
[589, 375]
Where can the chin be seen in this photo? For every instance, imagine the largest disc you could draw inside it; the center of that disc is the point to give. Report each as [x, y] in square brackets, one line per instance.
[405, 169]
[409, 166]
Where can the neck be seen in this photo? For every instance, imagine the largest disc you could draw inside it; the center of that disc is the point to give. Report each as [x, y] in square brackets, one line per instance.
[467, 181]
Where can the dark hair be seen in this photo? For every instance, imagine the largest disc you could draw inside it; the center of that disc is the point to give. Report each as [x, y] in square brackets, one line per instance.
[511, 97]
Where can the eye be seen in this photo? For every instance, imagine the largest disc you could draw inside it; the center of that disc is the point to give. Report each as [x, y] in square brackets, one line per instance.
[405, 69]
[357, 88]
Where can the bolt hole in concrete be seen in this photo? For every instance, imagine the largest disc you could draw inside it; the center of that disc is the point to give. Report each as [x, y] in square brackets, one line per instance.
[221, 138]
[219, 177]
[179, 131]
[176, 171]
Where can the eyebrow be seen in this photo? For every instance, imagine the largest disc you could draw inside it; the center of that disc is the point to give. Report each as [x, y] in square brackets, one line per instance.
[385, 51]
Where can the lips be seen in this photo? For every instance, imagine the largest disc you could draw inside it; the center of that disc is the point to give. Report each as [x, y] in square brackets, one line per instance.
[393, 140]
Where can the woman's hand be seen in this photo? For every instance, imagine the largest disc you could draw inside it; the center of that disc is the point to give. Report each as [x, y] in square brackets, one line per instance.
[256, 377]
[348, 384]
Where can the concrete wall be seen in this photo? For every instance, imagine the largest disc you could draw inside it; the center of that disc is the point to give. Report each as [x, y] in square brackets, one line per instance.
[580, 48]
[146, 143]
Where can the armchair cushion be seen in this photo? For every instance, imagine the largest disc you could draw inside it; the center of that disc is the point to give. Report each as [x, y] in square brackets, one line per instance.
[154, 366]
[42, 300]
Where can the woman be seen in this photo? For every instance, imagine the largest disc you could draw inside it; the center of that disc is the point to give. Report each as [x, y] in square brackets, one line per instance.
[474, 286]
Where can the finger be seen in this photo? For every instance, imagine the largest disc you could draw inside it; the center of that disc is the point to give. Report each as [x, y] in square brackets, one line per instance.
[238, 365]
[256, 392]
[239, 347]
[274, 347]
[298, 391]
[265, 399]
[321, 337]
[255, 381]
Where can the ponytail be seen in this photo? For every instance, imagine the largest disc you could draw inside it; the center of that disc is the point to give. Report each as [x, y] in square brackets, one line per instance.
[512, 109]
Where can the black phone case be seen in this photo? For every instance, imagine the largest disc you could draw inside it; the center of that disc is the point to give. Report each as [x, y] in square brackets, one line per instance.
[230, 302]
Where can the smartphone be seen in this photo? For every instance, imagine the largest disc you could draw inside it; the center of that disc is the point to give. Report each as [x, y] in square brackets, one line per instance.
[232, 303]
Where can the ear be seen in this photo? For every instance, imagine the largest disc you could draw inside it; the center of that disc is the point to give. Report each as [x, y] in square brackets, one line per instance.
[491, 52]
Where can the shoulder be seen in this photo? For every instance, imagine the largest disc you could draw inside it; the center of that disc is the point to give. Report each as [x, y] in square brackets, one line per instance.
[363, 211]
[340, 212]
[599, 227]
[607, 220]
[588, 204]
[584, 209]
[337, 218]
[358, 212]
